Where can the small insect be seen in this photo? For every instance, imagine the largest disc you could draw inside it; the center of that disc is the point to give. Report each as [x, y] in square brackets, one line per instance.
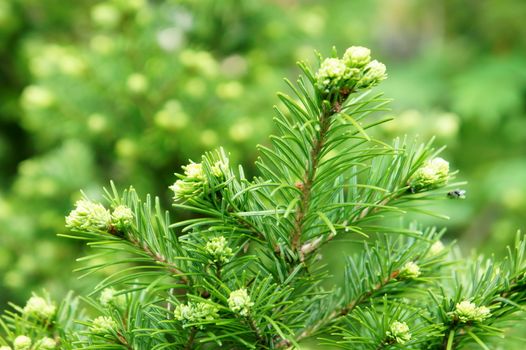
[457, 194]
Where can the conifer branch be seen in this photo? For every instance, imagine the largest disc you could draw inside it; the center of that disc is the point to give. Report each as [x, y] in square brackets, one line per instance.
[159, 258]
[341, 312]
[190, 343]
[308, 177]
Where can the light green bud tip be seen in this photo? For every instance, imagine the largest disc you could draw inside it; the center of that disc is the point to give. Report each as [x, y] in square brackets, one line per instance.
[22, 342]
[191, 184]
[218, 248]
[436, 248]
[410, 270]
[375, 72]
[399, 333]
[195, 312]
[122, 217]
[103, 324]
[89, 216]
[354, 71]
[467, 311]
[194, 171]
[5, 347]
[331, 73]
[47, 344]
[108, 297]
[357, 56]
[39, 307]
[239, 302]
[433, 174]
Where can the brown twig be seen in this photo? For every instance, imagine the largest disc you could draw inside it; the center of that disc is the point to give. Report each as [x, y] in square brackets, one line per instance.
[345, 310]
[159, 259]
[308, 179]
[191, 339]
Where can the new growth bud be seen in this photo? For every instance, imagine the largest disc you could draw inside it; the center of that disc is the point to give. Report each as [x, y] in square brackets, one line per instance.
[22, 342]
[436, 248]
[40, 308]
[398, 333]
[375, 72]
[103, 325]
[47, 344]
[354, 71]
[410, 270]
[122, 217]
[239, 302]
[218, 248]
[467, 311]
[195, 312]
[108, 298]
[192, 182]
[357, 56]
[89, 216]
[433, 174]
[331, 73]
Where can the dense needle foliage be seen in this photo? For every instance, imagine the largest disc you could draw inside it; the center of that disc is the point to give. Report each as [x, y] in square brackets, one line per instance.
[247, 271]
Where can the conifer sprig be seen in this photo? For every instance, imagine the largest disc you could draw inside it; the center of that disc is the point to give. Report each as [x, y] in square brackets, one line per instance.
[245, 270]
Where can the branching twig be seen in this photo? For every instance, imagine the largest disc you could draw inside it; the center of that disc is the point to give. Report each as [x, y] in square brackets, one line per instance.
[159, 259]
[345, 310]
[308, 179]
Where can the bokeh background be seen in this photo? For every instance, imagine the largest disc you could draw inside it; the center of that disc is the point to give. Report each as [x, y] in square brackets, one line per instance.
[128, 90]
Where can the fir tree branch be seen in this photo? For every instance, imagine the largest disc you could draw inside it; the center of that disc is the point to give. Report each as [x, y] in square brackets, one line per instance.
[257, 332]
[309, 176]
[160, 259]
[190, 343]
[341, 312]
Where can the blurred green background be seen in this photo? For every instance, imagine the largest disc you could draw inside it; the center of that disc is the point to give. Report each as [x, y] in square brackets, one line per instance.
[131, 89]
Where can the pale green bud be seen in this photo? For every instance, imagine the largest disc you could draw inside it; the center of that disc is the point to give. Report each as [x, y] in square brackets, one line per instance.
[220, 167]
[433, 174]
[467, 311]
[218, 248]
[108, 297]
[39, 307]
[374, 73]
[47, 344]
[357, 56]
[205, 311]
[89, 216]
[183, 189]
[194, 171]
[398, 332]
[122, 217]
[195, 312]
[331, 73]
[102, 325]
[239, 302]
[22, 342]
[436, 248]
[5, 347]
[410, 270]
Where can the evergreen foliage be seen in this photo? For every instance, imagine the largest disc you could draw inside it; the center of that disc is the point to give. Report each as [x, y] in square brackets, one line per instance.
[246, 271]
